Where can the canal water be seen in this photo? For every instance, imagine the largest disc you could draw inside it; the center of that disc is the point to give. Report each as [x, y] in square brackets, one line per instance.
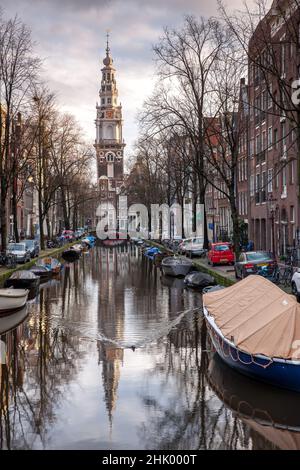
[112, 355]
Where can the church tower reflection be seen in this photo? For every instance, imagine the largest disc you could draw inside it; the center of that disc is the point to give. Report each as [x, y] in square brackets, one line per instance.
[111, 320]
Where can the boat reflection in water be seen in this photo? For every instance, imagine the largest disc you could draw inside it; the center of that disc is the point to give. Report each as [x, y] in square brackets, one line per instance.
[11, 321]
[271, 413]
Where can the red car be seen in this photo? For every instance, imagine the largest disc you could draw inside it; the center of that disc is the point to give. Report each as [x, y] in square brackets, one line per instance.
[220, 253]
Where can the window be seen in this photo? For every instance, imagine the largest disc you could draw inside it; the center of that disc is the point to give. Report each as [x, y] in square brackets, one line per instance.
[109, 100]
[292, 214]
[263, 187]
[251, 185]
[284, 187]
[270, 100]
[292, 172]
[264, 141]
[282, 58]
[258, 144]
[276, 138]
[257, 190]
[270, 141]
[103, 100]
[251, 148]
[270, 180]
[110, 157]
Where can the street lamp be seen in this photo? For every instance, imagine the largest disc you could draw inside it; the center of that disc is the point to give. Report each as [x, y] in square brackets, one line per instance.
[272, 203]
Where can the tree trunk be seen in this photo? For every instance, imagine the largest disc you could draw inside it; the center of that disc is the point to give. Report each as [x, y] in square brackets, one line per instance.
[236, 227]
[65, 210]
[3, 216]
[41, 222]
[15, 215]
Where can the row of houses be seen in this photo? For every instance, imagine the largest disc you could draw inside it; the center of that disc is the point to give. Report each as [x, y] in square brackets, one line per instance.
[267, 166]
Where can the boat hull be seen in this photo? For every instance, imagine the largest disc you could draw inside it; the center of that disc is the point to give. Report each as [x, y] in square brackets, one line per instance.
[12, 321]
[9, 304]
[176, 271]
[280, 373]
[22, 283]
[71, 255]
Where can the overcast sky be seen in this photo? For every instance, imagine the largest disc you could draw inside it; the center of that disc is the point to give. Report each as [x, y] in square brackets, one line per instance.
[70, 36]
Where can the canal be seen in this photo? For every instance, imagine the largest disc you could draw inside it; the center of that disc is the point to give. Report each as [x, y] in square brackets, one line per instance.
[113, 356]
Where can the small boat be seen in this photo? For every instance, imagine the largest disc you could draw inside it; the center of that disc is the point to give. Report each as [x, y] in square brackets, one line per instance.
[176, 266]
[12, 321]
[12, 299]
[50, 263]
[151, 252]
[199, 280]
[23, 279]
[271, 412]
[41, 271]
[71, 255]
[255, 327]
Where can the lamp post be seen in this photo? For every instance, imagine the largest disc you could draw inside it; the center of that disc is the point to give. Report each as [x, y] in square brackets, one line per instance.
[272, 209]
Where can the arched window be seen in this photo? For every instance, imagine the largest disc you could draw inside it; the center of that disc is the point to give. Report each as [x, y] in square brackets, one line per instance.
[110, 157]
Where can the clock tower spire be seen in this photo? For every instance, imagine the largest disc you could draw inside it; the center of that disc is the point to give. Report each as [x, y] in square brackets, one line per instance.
[109, 143]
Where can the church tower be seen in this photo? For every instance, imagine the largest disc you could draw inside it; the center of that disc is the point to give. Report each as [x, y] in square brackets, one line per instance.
[109, 142]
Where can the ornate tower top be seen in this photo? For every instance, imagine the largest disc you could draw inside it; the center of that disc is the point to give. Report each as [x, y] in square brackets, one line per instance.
[107, 61]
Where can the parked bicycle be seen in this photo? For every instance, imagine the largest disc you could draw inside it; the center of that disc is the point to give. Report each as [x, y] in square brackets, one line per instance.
[8, 260]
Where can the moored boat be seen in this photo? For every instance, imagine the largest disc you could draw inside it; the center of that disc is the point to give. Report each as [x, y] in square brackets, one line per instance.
[12, 299]
[23, 279]
[198, 280]
[41, 271]
[50, 263]
[71, 255]
[176, 266]
[151, 252]
[255, 328]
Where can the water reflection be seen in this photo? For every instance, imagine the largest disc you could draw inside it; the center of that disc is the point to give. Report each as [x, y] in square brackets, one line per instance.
[70, 379]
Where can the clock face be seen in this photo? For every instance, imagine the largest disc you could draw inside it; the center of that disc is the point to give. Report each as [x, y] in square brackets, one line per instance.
[109, 114]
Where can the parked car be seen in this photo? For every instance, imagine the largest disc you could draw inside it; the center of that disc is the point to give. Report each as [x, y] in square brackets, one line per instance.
[20, 251]
[251, 261]
[192, 246]
[68, 235]
[296, 284]
[33, 246]
[220, 253]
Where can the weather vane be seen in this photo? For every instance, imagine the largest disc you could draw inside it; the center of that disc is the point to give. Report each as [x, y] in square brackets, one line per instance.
[107, 37]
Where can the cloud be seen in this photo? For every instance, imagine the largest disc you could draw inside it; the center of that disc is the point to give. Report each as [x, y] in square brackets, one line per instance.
[70, 35]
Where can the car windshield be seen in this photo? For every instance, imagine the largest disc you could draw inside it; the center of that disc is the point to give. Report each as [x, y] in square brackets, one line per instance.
[29, 243]
[197, 240]
[221, 248]
[16, 247]
[258, 255]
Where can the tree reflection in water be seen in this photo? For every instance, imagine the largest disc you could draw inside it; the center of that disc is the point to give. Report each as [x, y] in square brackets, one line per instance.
[46, 356]
[191, 417]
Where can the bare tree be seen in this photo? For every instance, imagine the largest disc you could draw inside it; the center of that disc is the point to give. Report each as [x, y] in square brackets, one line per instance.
[18, 70]
[185, 58]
